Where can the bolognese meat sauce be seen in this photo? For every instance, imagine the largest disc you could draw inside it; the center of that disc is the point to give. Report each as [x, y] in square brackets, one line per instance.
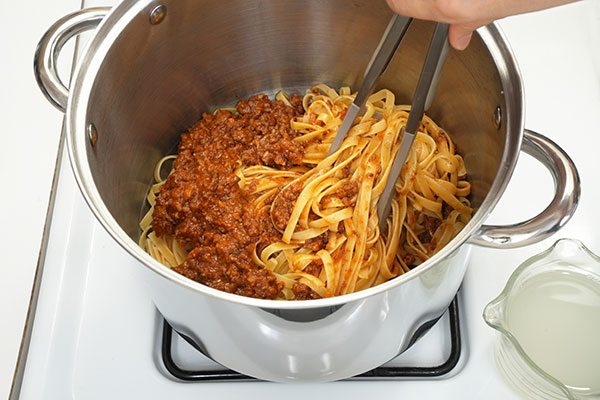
[203, 207]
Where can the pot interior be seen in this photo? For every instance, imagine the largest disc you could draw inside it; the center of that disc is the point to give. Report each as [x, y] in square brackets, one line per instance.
[156, 80]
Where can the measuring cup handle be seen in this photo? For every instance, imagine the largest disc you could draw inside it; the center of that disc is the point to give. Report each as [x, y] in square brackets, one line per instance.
[567, 192]
[50, 45]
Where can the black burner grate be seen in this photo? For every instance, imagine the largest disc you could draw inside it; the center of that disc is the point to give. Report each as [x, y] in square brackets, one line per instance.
[378, 373]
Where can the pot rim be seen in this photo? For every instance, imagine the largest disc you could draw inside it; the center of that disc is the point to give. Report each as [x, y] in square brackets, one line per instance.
[81, 87]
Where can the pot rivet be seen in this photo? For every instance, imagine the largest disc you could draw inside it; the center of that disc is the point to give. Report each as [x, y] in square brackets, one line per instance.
[157, 14]
[498, 117]
[92, 134]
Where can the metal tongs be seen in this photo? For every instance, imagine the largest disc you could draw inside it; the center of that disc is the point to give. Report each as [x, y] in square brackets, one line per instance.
[422, 99]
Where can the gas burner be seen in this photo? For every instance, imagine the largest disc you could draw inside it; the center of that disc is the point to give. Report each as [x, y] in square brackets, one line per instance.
[380, 373]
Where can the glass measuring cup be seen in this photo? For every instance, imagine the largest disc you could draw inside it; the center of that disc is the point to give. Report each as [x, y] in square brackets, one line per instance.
[548, 323]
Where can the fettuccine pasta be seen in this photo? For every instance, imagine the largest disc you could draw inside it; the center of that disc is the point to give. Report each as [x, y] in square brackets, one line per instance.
[325, 209]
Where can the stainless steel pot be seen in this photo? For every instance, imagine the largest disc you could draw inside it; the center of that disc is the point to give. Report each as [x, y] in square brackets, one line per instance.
[152, 67]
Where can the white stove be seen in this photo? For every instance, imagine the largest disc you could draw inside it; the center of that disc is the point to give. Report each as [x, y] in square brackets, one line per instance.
[95, 333]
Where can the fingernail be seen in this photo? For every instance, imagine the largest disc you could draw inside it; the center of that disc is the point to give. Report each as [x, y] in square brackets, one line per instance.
[462, 42]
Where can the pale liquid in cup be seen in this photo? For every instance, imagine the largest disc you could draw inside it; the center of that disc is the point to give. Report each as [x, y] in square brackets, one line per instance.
[555, 316]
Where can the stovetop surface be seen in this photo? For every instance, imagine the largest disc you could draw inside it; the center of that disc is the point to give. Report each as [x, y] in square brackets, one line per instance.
[96, 333]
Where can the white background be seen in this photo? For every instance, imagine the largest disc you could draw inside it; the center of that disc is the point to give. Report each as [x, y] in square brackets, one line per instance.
[558, 51]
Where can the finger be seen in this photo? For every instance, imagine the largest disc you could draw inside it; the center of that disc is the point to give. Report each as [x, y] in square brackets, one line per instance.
[460, 35]
[421, 9]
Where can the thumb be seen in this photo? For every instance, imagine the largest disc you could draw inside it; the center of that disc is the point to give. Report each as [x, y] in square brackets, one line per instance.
[460, 36]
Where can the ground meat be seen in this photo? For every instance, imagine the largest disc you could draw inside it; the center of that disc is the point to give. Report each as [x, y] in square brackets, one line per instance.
[273, 137]
[446, 209]
[348, 192]
[201, 203]
[284, 205]
[409, 260]
[317, 243]
[240, 276]
[303, 292]
[314, 268]
[430, 224]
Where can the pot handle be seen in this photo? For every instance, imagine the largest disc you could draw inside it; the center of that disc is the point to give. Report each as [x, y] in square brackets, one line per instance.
[566, 197]
[50, 45]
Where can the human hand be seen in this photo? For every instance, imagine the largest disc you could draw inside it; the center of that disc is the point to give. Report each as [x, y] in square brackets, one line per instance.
[464, 16]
